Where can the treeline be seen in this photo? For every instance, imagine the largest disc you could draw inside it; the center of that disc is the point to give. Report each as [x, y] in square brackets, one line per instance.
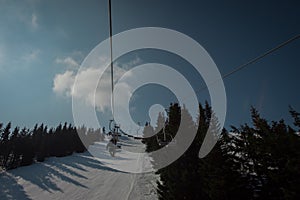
[21, 147]
[258, 161]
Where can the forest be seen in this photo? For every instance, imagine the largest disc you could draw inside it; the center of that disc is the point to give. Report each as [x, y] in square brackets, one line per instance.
[21, 147]
[252, 161]
[257, 161]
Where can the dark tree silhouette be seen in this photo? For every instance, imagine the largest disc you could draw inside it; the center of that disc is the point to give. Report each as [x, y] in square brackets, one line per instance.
[21, 148]
[249, 162]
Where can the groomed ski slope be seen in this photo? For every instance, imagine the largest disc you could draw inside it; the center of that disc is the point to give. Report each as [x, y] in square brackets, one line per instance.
[81, 176]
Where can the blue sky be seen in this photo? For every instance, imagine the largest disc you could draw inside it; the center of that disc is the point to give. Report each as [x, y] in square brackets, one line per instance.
[40, 40]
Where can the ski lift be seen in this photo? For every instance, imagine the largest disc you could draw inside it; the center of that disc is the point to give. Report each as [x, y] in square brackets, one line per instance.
[114, 128]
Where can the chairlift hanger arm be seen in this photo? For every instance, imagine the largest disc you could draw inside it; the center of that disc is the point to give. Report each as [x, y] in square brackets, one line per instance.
[111, 57]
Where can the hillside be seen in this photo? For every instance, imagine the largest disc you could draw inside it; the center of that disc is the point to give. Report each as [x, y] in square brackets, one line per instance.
[79, 176]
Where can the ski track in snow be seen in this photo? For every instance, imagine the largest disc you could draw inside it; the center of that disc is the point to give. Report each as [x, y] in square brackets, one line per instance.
[79, 176]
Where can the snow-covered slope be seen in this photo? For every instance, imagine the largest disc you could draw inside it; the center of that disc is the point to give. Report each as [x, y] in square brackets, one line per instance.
[80, 176]
[130, 158]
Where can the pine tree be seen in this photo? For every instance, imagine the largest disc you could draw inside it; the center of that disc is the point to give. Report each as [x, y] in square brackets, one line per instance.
[180, 179]
[15, 153]
[27, 148]
[149, 138]
[268, 154]
[6, 147]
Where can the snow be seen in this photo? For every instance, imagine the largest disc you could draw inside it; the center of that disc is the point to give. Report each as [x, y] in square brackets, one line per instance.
[130, 158]
[82, 176]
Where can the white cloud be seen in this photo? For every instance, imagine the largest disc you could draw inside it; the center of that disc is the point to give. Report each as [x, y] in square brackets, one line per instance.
[130, 64]
[67, 61]
[31, 19]
[34, 21]
[85, 80]
[63, 83]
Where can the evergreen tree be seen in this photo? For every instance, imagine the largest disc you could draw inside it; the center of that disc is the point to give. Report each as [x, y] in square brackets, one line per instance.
[27, 148]
[15, 153]
[6, 147]
[177, 181]
[149, 138]
[24, 147]
[269, 154]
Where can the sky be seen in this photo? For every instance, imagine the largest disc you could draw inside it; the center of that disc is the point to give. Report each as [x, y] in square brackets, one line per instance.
[43, 43]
